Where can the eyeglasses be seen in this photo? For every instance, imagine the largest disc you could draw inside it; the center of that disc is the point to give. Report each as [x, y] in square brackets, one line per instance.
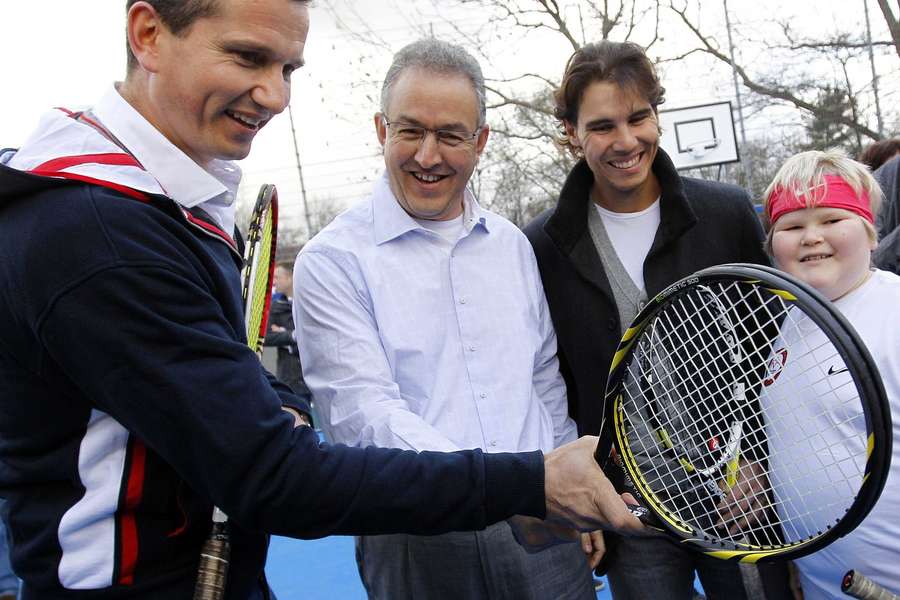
[402, 131]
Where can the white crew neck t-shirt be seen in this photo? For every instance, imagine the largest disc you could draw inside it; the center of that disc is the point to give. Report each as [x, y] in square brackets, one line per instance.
[632, 234]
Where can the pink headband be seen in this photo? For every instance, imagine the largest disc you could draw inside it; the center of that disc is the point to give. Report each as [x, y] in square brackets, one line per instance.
[839, 195]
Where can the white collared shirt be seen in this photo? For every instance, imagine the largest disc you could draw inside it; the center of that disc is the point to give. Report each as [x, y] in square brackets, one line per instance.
[183, 180]
[414, 341]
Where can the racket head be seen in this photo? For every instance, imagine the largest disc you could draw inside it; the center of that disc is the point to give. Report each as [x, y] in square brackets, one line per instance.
[258, 274]
[775, 427]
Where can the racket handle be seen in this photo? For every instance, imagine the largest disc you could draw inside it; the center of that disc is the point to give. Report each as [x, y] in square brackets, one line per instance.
[213, 569]
[859, 586]
[644, 514]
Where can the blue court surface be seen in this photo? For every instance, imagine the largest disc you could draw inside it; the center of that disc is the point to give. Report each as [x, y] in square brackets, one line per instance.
[321, 570]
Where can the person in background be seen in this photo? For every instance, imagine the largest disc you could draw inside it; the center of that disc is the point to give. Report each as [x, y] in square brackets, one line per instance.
[435, 334]
[281, 332]
[820, 210]
[877, 153]
[887, 219]
[625, 227]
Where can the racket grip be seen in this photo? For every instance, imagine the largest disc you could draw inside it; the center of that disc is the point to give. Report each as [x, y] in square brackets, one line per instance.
[859, 586]
[213, 569]
[641, 513]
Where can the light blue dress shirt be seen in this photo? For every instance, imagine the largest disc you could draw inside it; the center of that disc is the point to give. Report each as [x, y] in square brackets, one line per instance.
[410, 341]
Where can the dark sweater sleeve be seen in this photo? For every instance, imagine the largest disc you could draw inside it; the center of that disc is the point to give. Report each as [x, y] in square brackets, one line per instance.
[171, 372]
[278, 338]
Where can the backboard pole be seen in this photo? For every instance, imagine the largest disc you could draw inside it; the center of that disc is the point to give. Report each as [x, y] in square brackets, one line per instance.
[737, 95]
[874, 73]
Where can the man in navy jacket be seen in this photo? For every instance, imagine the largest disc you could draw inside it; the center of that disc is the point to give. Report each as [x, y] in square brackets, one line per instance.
[129, 402]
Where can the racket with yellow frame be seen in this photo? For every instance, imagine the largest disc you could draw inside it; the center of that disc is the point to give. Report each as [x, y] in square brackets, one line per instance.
[748, 419]
[256, 291]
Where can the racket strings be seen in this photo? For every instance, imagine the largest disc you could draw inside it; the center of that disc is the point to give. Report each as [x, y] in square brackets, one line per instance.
[815, 476]
[701, 350]
[700, 343]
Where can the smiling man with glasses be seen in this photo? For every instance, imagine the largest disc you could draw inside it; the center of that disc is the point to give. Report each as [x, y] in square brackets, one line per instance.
[432, 332]
[432, 129]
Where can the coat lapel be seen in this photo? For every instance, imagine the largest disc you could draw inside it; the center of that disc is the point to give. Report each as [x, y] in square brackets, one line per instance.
[567, 228]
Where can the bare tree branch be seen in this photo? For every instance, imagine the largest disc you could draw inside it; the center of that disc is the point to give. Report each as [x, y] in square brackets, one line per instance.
[780, 93]
[550, 83]
[830, 45]
[552, 9]
[892, 23]
[510, 101]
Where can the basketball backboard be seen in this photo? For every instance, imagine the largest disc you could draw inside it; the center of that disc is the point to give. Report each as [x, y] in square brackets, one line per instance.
[699, 136]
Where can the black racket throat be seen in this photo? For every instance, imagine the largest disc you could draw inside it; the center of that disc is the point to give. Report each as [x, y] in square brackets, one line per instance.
[721, 416]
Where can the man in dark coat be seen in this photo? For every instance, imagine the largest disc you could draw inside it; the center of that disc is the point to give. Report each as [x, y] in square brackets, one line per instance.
[625, 227]
[281, 332]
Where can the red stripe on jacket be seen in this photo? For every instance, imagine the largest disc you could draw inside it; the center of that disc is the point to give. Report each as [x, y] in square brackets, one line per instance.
[122, 189]
[108, 158]
[127, 524]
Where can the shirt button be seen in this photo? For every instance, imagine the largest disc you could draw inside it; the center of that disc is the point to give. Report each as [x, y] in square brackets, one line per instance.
[462, 300]
[494, 443]
[483, 395]
[471, 348]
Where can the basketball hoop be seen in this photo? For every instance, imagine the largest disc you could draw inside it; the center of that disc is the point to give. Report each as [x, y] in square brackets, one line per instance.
[699, 136]
[700, 149]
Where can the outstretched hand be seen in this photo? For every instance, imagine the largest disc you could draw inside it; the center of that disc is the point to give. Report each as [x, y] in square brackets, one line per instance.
[579, 495]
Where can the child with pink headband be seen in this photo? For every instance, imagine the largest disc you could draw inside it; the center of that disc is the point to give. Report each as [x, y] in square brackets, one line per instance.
[821, 230]
[819, 210]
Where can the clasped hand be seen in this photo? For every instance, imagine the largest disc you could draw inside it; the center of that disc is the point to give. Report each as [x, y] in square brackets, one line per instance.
[579, 499]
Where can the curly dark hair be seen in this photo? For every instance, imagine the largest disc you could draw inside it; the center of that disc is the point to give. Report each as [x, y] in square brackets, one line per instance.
[622, 63]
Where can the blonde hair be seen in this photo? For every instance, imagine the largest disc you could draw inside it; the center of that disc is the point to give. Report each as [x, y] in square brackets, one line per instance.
[804, 176]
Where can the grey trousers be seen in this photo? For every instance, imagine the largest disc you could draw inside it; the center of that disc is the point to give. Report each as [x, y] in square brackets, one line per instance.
[486, 565]
[656, 568]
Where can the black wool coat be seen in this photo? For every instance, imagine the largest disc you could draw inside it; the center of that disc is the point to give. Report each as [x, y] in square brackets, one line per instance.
[702, 224]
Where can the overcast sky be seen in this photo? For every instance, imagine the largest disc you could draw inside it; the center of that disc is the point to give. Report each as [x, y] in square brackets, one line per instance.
[63, 52]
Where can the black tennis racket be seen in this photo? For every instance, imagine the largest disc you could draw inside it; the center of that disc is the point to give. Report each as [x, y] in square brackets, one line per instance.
[749, 420]
[857, 585]
[256, 291]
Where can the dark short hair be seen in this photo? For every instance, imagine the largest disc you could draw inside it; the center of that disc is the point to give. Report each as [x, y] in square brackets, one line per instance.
[623, 63]
[286, 265]
[878, 153]
[177, 15]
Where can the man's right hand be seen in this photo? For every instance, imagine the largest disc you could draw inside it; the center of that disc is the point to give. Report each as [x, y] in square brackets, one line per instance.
[580, 496]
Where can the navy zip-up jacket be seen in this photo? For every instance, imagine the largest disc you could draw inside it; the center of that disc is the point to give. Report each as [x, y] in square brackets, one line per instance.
[129, 404]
